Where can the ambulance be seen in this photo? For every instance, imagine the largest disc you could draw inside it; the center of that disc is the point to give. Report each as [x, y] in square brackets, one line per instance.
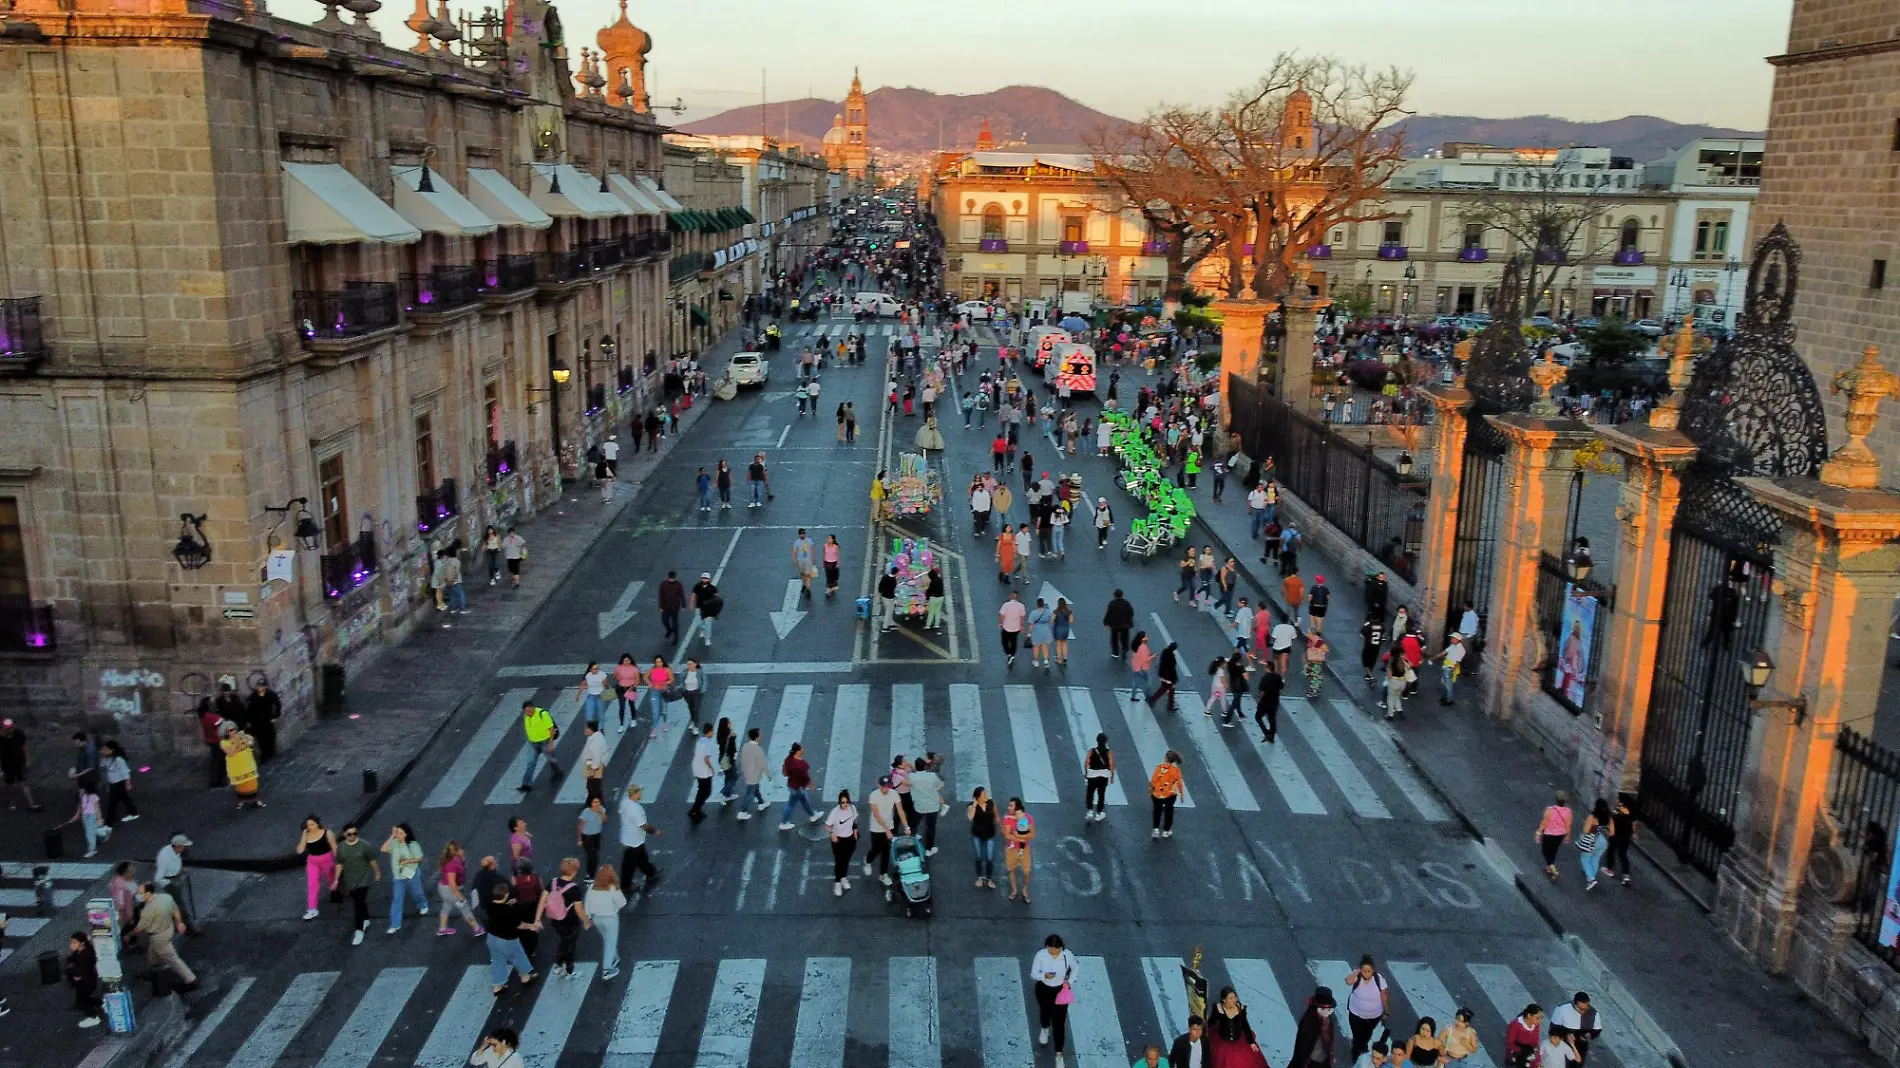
[1071, 365]
[1041, 342]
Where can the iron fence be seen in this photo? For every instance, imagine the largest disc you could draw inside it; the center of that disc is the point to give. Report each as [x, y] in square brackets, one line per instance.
[349, 567]
[443, 289]
[502, 462]
[1866, 806]
[508, 274]
[1574, 617]
[358, 308]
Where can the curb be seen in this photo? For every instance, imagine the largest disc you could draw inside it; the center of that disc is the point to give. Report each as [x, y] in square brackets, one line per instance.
[164, 1024]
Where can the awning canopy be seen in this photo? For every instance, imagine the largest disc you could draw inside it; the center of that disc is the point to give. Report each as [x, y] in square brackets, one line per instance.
[699, 316]
[497, 198]
[633, 196]
[579, 195]
[325, 205]
[745, 215]
[725, 219]
[660, 196]
[442, 210]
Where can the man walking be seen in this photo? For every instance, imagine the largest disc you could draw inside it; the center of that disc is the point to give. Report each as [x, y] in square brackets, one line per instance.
[537, 726]
[705, 758]
[751, 770]
[757, 481]
[887, 815]
[634, 831]
[1009, 620]
[1256, 510]
[594, 761]
[1451, 661]
[672, 602]
[707, 600]
[805, 559]
[1318, 600]
[1120, 621]
[160, 921]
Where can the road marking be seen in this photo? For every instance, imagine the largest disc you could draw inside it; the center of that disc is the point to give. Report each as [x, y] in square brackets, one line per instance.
[967, 747]
[788, 615]
[718, 576]
[915, 1041]
[468, 763]
[797, 667]
[1286, 775]
[844, 762]
[622, 611]
[1273, 1024]
[656, 759]
[736, 705]
[636, 1034]
[1352, 782]
[1079, 709]
[1001, 1015]
[1162, 630]
[1430, 998]
[1216, 759]
[458, 1025]
[1502, 988]
[1332, 973]
[794, 705]
[1032, 748]
[566, 712]
[1378, 741]
[218, 1015]
[553, 1016]
[573, 789]
[907, 721]
[59, 869]
[293, 1010]
[824, 1010]
[1096, 1026]
[1149, 741]
[788, 429]
[26, 899]
[731, 1015]
[368, 1027]
[1168, 990]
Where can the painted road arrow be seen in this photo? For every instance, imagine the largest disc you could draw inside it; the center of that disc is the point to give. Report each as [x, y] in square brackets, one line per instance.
[622, 611]
[788, 616]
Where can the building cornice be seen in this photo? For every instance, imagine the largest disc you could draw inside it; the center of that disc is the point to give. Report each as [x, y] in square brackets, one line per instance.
[1827, 55]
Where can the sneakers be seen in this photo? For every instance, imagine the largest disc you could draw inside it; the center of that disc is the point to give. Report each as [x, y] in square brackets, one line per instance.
[356, 937]
[90, 1021]
[931, 852]
[784, 826]
[1167, 834]
[867, 869]
[815, 818]
[478, 932]
[1155, 834]
[885, 879]
[745, 815]
[422, 910]
[1591, 885]
[847, 882]
[129, 819]
[1042, 1037]
[443, 931]
[760, 807]
[837, 888]
[393, 930]
[310, 914]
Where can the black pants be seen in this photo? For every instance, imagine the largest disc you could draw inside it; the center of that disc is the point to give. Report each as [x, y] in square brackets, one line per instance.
[87, 1000]
[1164, 812]
[1289, 563]
[880, 852]
[590, 846]
[702, 789]
[215, 754]
[841, 851]
[926, 827]
[671, 622]
[1094, 794]
[1118, 641]
[634, 858]
[1551, 843]
[1167, 687]
[1618, 858]
[265, 735]
[119, 796]
[1009, 642]
[1362, 1029]
[1267, 715]
[1101, 536]
[568, 935]
[359, 905]
[1052, 1016]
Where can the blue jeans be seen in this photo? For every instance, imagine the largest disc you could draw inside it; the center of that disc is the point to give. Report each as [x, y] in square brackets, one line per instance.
[1594, 859]
[1227, 597]
[656, 706]
[590, 707]
[1256, 522]
[1139, 686]
[798, 798]
[534, 761]
[458, 598]
[609, 928]
[705, 498]
[985, 857]
[1057, 535]
[753, 796]
[758, 492]
[505, 954]
[401, 888]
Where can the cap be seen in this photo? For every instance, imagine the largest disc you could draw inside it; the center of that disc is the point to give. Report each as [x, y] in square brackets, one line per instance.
[181, 840]
[884, 780]
[7, 723]
[1319, 580]
[705, 574]
[1456, 637]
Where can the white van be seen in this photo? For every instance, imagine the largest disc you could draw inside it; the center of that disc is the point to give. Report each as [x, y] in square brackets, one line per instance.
[875, 304]
[1040, 343]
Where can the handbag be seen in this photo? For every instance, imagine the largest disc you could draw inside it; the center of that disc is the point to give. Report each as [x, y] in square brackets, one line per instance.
[1587, 842]
[1065, 996]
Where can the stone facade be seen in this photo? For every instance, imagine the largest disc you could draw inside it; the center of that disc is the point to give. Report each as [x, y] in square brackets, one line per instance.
[1832, 143]
[183, 372]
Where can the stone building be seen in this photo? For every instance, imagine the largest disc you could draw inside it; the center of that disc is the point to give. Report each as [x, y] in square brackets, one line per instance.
[847, 145]
[1833, 137]
[287, 309]
[786, 197]
[705, 279]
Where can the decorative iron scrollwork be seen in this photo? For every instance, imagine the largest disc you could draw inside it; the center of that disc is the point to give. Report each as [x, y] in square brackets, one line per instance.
[1498, 372]
[1753, 406]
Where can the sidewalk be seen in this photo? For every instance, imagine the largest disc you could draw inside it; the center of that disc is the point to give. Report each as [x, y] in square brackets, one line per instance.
[1644, 948]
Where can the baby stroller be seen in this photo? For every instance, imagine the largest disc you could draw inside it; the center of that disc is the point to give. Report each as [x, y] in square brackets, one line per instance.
[913, 875]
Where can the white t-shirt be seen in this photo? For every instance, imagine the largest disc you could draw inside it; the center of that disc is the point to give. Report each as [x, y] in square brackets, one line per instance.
[1052, 967]
[705, 754]
[842, 822]
[1243, 621]
[1364, 1001]
[603, 902]
[884, 811]
[610, 449]
[1455, 653]
[1283, 635]
[594, 751]
[980, 500]
[595, 681]
[633, 822]
[1257, 498]
[1558, 1053]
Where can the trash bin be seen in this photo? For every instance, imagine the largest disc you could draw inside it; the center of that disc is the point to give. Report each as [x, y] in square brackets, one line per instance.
[55, 842]
[370, 784]
[332, 687]
[49, 967]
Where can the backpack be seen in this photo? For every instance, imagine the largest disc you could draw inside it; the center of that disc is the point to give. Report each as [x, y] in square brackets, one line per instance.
[557, 900]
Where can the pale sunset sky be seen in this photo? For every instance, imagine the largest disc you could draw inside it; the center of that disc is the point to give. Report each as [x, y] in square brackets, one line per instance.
[1684, 60]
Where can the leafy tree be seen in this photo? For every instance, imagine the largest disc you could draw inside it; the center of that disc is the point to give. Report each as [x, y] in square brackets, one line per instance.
[1613, 360]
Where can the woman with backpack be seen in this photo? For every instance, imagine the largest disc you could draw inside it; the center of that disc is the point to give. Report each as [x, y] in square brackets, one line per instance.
[561, 905]
[1098, 772]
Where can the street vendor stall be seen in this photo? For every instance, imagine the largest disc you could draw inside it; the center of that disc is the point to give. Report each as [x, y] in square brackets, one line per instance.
[914, 488]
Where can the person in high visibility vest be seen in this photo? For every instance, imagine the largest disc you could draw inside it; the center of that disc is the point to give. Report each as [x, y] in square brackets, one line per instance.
[538, 726]
[1193, 466]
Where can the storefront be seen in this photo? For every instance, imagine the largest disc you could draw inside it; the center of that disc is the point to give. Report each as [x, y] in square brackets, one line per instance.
[1626, 293]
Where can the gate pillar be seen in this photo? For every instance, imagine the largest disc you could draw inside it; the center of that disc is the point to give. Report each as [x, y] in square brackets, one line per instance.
[1836, 576]
[1531, 521]
[1243, 322]
[1441, 514]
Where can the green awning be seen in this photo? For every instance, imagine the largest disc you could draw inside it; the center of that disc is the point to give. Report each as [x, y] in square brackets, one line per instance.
[679, 222]
[712, 221]
[745, 216]
[722, 219]
[698, 315]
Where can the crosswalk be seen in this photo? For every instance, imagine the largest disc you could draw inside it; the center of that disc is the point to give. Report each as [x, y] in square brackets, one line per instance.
[908, 1011]
[1016, 740]
[20, 902]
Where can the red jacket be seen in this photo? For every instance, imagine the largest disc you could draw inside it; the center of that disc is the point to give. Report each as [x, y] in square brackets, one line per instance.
[1521, 1048]
[208, 724]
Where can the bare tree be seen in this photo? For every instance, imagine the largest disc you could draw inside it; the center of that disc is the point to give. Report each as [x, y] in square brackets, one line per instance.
[1154, 166]
[1547, 212]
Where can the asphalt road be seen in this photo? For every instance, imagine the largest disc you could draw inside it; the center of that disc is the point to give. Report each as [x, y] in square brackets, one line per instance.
[1292, 860]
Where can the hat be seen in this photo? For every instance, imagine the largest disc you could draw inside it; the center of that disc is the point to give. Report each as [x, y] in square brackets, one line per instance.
[1319, 580]
[181, 840]
[884, 780]
[1323, 998]
[705, 574]
[7, 723]
[1456, 637]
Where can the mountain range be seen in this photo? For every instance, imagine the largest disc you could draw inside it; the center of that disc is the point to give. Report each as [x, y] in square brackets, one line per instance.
[909, 122]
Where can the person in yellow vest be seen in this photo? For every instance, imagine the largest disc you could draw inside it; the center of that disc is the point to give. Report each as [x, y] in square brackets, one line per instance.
[1193, 467]
[541, 733]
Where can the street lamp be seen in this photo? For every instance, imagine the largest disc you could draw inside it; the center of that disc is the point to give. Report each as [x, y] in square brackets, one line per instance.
[193, 550]
[307, 532]
[1728, 287]
[1756, 671]
[1679, 281]
[1581, 563]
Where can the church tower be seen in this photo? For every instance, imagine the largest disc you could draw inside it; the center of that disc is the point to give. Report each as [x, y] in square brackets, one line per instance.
[856, 156]
[1297, 120]
[985, 140]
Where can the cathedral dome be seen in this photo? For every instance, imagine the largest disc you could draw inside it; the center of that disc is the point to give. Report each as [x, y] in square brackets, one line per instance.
[835, 135]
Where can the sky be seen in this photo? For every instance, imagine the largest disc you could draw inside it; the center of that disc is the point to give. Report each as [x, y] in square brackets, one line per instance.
[1586, 60]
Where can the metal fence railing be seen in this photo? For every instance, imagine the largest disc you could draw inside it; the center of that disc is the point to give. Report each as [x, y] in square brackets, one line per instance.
[1866, 806]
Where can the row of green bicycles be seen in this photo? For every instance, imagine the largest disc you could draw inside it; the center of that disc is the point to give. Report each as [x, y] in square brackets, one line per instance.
[1169, 508]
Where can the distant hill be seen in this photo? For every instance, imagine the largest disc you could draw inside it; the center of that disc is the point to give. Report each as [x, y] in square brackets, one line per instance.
[906, 121]
[1640, 137]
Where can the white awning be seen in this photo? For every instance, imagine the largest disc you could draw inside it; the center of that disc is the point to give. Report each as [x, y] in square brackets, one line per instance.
[325, 205]
[580, 195]
[442, 210]
[633, 196]
[497, 198]
[660, 196]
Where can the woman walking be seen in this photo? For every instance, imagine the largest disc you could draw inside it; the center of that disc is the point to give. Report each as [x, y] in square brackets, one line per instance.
[1023, 549]
[1168, 672]
[520, 843]
[1316, 650]
[842, 826]
[118, 785]
[1266, 708]
[451, 875]
[1368, 1003]
[1041, 633]
[1553, 829]
[491, 552]
[1594, 842]
[405, 873]
[1019, 832]
[692, 688]
[659, 680]
[797, 772]
[317, 846]
[722, 479]
[1461, 1039]
[982, 812]
[593, 686]
[1394, 684]
[1165, 789]
[588, 829]
[1230, 1038]
[1098, 771]
[1062, 622]
[561, 906]
[1005, 553]
[1140, 662]
[528, 893]
[1622, 835]
[832, 555]
[1053, 970]
[726, 743]
[626, 689]
[1216, 687]
[508, 921]
[602, 904]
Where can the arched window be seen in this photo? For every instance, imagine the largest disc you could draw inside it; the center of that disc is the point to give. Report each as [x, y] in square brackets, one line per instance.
[1627, 241]
[993, 221]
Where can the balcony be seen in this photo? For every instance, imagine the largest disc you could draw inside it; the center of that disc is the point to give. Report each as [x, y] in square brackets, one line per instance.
[442, 290]
[992, 244]
[349, 567]
[1154, 248]
[508, 274]
[1319, 252]
[355, 311]
[501, 462]
[596, 399]
[1628, 257]
[21, 343]
[687, 264]
[1473, 254]
[1548, 254]
[652, 244]
[623, 382]
[1392, 251]
[606, 255]
[435, 507]
[1073, 248]
[26, 628]
[560, 268]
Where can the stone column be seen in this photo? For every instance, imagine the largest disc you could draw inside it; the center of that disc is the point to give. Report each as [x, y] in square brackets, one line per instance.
[1300, 316]
[1441, 514]
[1836, 575]
[1531, 522]
[1243, 321]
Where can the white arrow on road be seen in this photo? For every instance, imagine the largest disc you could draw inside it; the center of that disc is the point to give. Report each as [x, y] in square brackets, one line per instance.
[1050, 595]
[622, 611]
[788, 615]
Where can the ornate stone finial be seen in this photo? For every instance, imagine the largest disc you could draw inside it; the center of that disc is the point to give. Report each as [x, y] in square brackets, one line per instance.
[1545, 374]
[446, 30]
[423, 25]
[1853, 465]
[1668, 414]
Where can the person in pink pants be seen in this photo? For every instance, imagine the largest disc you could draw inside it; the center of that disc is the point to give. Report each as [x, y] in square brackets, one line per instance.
[318, 846]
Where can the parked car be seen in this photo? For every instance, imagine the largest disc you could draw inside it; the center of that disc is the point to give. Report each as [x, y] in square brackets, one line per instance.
[1473, 324]
[1544, 322]
[1588, 322]
[1454, 321]
[748, 369]
[1647, 327]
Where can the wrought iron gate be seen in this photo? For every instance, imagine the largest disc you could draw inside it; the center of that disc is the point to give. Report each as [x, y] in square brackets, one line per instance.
[1480, 496]
[1715, 614]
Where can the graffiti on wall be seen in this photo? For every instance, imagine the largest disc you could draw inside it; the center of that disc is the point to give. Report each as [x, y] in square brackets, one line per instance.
[359, 628]
[122, 692]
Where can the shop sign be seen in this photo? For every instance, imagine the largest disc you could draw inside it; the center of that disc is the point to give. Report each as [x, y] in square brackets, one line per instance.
[1623, 276]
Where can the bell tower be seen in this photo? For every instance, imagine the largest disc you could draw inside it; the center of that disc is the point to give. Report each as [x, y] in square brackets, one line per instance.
[1297, 120]
[857, 130]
